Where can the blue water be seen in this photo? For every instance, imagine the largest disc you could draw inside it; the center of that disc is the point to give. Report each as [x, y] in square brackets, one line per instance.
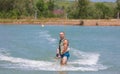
[31, 49]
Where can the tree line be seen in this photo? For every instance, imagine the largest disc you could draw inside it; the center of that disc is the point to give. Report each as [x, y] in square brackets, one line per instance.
[78, 9]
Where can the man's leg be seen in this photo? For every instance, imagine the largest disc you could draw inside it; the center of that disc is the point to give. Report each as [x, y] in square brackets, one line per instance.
[64, 60]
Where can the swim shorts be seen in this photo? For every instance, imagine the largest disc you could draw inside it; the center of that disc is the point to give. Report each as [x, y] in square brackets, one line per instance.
[66, 54]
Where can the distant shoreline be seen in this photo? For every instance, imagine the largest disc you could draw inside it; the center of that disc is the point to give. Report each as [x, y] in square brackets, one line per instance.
[67, 22]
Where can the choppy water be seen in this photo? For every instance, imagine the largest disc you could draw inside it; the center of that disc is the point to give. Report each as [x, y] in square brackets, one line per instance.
[31, 49]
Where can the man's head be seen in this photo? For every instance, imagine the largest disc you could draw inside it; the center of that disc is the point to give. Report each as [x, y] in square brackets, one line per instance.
[62, 35]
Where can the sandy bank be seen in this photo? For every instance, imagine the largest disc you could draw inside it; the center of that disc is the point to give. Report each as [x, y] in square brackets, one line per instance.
[85, 22]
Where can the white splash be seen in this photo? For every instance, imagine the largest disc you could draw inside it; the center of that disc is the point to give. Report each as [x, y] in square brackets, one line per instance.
[86, 63]
[85, 58]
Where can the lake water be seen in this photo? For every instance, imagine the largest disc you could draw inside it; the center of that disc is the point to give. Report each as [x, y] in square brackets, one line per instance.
[31, 49]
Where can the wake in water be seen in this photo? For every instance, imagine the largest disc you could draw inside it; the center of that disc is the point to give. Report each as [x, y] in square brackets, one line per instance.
[84, 62]
[45, 35]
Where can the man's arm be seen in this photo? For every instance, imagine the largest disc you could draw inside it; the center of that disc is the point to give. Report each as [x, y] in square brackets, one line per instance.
[65, 46]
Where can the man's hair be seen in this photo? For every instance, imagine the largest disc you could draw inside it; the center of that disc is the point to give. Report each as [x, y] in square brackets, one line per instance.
[62, 32]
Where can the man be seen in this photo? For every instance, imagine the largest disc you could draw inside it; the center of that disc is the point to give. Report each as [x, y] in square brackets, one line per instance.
[63, 50]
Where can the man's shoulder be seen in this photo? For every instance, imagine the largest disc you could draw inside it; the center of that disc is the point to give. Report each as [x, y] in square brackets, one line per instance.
[66, 42]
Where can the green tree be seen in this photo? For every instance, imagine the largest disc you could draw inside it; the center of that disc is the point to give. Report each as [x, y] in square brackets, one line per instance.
[118, 8]
[24, 7]
[41, 7]
[45, 8]
[103, 11]
[16, 8]
[118, 5]
[83, 8]
[51, 5]
[72, 13]
[7, 9]
[6, 5]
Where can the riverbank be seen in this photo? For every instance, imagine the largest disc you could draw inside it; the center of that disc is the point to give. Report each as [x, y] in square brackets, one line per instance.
[74, 22]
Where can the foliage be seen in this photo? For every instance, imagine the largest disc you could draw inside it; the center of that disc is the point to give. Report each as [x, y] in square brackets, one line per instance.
[6, 5]
[118, 5]
[103, 11]
[78, 9]
[82, 8]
